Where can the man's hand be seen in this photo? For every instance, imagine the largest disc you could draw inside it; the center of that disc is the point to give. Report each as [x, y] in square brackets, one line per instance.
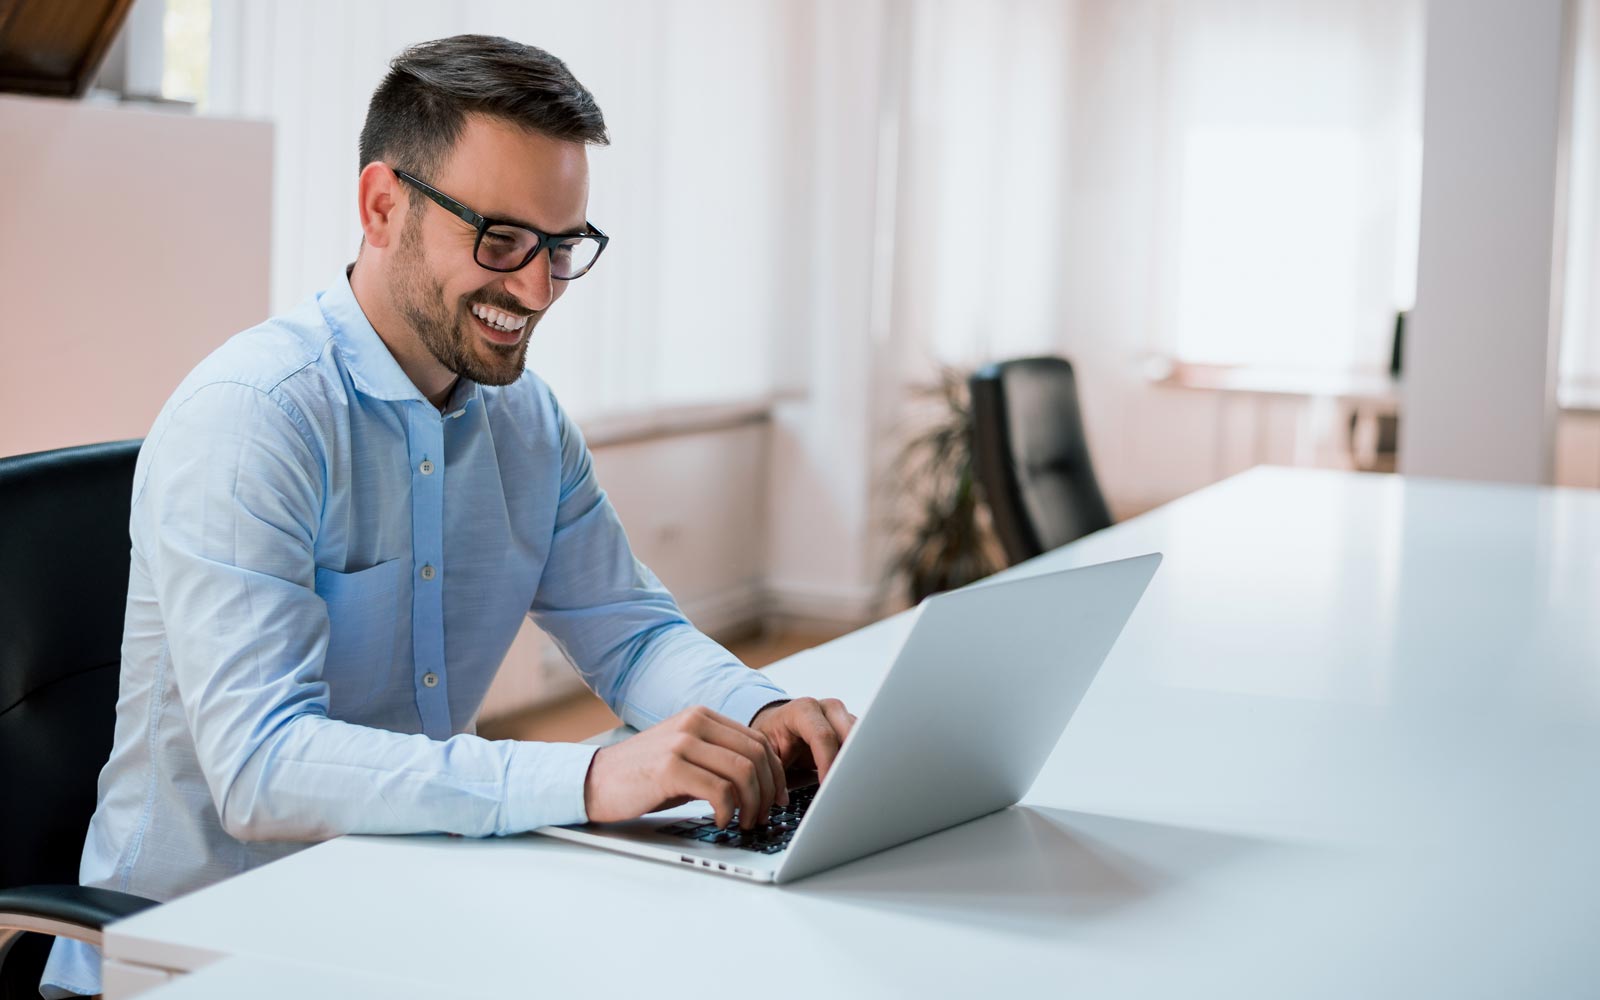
[696, 754]
[807, 733]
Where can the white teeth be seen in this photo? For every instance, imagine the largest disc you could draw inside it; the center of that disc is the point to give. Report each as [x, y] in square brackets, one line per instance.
[497, 319]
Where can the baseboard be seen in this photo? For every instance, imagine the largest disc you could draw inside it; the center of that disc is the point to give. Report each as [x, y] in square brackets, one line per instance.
[805, 606]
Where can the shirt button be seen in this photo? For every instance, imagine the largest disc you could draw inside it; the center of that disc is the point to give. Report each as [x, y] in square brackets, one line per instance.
[426, 468]
[430, 679]
[428, 572]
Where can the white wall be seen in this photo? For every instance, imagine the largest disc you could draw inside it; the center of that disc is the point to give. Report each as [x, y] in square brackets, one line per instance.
[132, 242]
[1578, 449]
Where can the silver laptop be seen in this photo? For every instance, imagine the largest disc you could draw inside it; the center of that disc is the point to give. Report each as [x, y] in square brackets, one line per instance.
[975, 701]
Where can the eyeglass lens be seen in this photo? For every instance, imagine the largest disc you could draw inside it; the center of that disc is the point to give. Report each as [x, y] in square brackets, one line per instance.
[505, 248]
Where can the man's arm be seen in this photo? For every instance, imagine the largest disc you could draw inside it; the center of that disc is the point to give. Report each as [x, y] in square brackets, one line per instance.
[621, 628]
[226, 517]
[616, 622]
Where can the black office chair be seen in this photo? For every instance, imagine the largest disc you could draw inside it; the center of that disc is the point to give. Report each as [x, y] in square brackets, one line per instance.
[1031, 458]
[63, 589]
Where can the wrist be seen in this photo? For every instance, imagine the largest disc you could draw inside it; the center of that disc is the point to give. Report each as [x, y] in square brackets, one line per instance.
[763, 708]
[589, 795]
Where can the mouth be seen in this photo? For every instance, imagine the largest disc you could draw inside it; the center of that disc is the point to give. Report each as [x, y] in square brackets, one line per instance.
[498, 326]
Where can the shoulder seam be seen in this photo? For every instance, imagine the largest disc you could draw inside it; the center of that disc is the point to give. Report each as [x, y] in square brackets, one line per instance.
[301, 425]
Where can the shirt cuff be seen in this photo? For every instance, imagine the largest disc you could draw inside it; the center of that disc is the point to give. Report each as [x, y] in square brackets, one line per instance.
[544, 786]
[743, 704]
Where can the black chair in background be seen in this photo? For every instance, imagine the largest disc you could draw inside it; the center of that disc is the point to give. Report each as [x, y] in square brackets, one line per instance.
[64, 555]
[1031, 457]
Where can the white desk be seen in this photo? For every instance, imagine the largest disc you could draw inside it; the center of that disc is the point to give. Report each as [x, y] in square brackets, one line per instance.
[245, 978]
[1349, 746]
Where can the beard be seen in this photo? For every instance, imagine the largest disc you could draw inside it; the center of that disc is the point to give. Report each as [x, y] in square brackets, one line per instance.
[451, 336]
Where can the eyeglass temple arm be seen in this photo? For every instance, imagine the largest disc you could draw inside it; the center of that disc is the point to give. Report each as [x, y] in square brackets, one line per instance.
[445, 202]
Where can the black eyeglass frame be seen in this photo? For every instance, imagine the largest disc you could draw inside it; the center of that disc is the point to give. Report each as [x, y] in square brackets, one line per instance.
[482, 224]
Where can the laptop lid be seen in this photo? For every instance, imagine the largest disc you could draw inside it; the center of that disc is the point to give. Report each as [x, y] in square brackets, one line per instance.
[970, 710]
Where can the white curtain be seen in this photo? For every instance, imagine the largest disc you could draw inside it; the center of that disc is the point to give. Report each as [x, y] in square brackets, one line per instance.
[1295, 165]
[696, 94]
[983, 159]
[1580, 327]
[1219, 181]
[1276, 149]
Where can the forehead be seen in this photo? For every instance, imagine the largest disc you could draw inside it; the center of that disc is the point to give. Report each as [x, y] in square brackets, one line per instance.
[505, 172]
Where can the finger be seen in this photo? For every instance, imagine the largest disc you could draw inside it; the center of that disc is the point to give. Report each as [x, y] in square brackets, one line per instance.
[692, 779]
[818, 733]
[755, 747]
[776, 763]
[841, 720]
[736, 768]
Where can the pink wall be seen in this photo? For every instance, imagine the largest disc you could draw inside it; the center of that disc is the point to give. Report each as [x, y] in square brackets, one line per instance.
[132, 242]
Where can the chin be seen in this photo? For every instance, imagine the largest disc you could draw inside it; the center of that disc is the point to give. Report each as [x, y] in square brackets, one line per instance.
[504, 366]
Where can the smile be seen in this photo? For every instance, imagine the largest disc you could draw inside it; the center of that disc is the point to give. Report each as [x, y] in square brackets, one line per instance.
[502, 321]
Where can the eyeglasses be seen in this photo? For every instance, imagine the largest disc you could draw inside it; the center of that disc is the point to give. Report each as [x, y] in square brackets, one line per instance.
[511, 246]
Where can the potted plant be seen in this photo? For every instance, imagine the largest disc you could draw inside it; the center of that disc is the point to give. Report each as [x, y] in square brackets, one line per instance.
[942, 538]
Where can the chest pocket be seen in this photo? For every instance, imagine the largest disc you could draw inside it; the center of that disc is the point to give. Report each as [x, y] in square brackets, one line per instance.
[365, 611]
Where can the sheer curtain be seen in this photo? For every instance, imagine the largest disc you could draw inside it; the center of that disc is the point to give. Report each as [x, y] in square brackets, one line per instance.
[1278, 152]
[1580, 327]
[685, 304]
[983, 159]
[1294, 170]
[1251, 166]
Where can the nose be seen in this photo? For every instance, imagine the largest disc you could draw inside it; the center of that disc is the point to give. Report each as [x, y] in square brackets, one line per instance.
[532, 285]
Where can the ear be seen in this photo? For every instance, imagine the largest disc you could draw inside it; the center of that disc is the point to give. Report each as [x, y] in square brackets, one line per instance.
[382, 209]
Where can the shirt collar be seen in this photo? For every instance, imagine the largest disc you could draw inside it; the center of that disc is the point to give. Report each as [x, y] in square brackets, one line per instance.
[372, 368]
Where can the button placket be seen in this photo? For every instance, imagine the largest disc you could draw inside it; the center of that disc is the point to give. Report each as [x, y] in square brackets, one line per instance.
[427, 549]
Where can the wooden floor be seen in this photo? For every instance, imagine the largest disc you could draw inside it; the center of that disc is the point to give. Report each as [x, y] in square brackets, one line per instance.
[581, 716]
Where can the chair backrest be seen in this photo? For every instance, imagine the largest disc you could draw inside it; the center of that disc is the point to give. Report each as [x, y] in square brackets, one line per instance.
[64, 555]
[1031, 457]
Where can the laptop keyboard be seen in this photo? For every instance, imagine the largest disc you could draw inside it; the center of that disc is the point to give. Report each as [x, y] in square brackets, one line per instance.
[770, 838]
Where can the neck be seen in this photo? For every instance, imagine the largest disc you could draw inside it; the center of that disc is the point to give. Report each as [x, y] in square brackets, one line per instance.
[432, 379]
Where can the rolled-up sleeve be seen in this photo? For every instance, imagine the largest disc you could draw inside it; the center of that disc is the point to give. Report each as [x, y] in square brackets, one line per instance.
[233, 491]
[617, 624]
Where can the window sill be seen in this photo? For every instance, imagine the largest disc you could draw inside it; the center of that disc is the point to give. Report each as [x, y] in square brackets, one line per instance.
[1580, 395]
[1379, 389]
[613, 430]
[1356, 386]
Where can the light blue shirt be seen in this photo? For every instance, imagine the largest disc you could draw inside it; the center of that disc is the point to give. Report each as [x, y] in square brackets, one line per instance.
[327, 572]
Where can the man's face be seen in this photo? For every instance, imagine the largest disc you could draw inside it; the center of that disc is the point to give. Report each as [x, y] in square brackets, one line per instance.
[501, 172]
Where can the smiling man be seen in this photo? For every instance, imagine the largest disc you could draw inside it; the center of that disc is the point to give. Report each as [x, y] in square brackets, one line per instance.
[341, 517]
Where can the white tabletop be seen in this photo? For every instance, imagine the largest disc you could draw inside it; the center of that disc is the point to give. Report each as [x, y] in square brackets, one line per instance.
[1349, 745]
[245, 978]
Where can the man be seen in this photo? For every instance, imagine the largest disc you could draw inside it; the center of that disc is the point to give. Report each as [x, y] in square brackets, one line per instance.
[341, 516]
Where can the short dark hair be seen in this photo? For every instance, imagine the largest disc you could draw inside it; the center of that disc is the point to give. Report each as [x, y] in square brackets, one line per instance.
[418, 111]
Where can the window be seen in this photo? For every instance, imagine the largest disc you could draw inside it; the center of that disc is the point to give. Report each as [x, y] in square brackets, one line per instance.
[1296, 132]
[1580, 327]
[186, 33]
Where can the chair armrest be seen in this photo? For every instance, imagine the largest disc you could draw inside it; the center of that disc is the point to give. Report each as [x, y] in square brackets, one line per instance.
[70, 911]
